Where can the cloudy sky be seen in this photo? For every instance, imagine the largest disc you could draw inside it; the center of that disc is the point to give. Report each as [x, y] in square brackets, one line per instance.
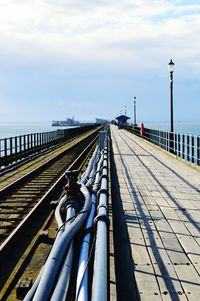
[89, 58]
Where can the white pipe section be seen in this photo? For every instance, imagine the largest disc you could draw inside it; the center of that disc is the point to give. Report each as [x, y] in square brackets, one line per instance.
[60, 222]
[61, 289]
[31, 292]
[50, 274]
[82, 277]
[99, 285]
[45, 286]
[90, 166]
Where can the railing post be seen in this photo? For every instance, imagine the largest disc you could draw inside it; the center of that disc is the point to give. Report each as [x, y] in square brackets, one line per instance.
[20, 144]
[179, 145]
[198, 150]
[40, 141]
[16, 148]
[183, 146]
[192, 146]
[38, 137]
[5, 147]
[15, 145]
[171, 142]
[188, 147]
[24, 142]
[28, 141]
[175, 144]
[11, 150]
[31, 140]
[167, 141]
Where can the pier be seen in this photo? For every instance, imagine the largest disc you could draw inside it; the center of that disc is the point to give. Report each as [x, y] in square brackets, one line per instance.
[158, 235]
[143, 231]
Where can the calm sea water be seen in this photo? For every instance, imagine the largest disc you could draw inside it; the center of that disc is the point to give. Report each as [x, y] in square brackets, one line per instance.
[180, 127]
[16, 129]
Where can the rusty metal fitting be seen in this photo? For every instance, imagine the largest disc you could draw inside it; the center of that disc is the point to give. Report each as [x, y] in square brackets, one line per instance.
[72, 188]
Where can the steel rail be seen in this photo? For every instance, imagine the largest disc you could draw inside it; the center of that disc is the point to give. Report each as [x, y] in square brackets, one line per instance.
[18, 231]
[54, 280]
[27, 176]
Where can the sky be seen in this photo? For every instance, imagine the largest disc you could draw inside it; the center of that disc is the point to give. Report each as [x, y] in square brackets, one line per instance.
[89, 58]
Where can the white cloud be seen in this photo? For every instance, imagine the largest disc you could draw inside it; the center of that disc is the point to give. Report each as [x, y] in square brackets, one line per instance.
[124, 31]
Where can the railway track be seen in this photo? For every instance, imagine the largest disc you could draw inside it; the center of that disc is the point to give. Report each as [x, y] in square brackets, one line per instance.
[30, 200]
[18, 198]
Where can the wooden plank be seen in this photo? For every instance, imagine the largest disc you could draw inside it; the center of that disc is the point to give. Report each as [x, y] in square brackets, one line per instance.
[140, 254]
[171, 243]
[147, 283]
[189, 280]
[159, 232]
[161, 201]
[138, 247]
[171, 297]
[192, 249]
[168, 280]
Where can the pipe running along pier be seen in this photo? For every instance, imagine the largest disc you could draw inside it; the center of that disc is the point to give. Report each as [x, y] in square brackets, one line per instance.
[102, 215]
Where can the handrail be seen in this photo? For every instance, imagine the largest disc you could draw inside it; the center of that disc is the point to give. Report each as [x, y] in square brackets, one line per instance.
[182, 145]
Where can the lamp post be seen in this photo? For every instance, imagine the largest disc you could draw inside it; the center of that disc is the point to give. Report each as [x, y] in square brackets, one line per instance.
[171, 71]
[134, 104]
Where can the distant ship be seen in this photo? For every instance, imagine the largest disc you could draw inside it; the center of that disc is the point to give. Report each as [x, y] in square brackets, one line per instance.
[67, 122]
[72, 122]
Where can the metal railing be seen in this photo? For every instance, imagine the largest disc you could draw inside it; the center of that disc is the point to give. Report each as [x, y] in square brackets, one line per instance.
[184, 146]
[14, 149]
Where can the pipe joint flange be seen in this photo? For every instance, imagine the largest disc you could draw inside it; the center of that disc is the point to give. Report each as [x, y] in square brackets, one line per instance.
[104, 176]
[86, 231]
[102, 206]
[104, 191]
[72, 203]
[103, 218]
[104, 167]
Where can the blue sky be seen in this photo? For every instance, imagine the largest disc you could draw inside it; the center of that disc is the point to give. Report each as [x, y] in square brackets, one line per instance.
[90, 58]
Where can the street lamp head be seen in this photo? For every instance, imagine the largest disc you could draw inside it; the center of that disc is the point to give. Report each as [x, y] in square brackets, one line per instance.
[171, 66]
[134, 97]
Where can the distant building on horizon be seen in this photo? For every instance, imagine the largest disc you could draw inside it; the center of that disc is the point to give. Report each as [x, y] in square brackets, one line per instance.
[67, 122]
[101, 121]
[122, 120]
[73, 122]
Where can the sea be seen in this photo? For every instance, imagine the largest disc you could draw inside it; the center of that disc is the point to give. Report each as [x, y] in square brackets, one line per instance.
[12, 129]
[189, 128]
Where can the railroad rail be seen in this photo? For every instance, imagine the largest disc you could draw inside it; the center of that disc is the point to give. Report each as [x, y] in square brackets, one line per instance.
[23, 148]
[27, 203]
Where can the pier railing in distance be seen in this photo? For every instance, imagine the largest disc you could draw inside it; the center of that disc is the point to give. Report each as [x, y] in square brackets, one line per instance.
[184, 146]
[15, 149]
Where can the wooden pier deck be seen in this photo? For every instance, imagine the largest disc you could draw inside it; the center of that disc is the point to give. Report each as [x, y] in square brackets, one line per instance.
[160, 198]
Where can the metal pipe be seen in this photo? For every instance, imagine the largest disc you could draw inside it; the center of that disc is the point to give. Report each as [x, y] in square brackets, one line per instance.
[58, 217]
[99, 285]
[90, 166]
[82, 277]
[60, 222]
[31, 292]
[55, 259]
[61, 289]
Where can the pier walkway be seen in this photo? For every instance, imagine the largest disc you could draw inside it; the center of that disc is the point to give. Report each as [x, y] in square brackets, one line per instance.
[160, 198]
